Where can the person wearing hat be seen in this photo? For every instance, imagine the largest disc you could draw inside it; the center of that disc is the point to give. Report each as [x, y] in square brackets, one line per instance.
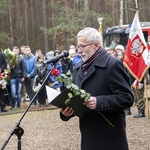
[72, 53]
[74, 56]
[49, 55]
[57, 52]
[119, 48]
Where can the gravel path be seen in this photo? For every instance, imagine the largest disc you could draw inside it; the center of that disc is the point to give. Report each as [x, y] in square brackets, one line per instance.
[45, 131]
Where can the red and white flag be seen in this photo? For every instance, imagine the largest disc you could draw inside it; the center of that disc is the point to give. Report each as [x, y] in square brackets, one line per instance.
[137, 57]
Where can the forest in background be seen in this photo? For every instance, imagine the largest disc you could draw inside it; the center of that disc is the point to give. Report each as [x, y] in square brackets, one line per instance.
[53, 24]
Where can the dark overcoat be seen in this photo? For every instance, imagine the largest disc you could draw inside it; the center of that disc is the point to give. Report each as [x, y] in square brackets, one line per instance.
[108, 80]
[3, 65]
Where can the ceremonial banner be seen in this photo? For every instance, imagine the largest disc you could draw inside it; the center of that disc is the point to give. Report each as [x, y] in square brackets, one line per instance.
[137, 57]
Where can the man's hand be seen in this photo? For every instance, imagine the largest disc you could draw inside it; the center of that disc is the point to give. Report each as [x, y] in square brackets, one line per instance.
[68, 111]
[28, 76]
[91, 103]
[22, 79]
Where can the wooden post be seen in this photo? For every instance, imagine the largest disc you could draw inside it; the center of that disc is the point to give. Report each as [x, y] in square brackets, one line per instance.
[146, 97]
[100, 29]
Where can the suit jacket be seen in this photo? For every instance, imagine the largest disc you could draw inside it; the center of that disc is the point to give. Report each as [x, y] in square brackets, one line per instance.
[108, 80]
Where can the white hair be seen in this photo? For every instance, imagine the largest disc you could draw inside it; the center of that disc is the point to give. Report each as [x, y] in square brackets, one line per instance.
[91, 34]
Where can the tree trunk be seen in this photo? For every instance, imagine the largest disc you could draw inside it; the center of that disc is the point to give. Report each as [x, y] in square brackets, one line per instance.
[66, 35]
[11, 25]
[32, 22]
[45, 26]
[121, 13]
[53, 24]
[86, 5]
[113, 14]
[126, 12]
[26, 23]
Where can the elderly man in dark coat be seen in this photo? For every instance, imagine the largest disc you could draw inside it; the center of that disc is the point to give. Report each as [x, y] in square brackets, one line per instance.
[3, 65]
[106, 79]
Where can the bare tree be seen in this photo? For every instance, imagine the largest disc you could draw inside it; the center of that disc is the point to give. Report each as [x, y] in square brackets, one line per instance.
[86, 5]
[54, 36]
[126, 12]
[32, 8]
[45, 26]
[113, 10]
[121, 13]
[11, 24]
[26, 22]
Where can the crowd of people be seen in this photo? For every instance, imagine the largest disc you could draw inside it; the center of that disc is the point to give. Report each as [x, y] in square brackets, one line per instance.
[98, 71]
[29, 73]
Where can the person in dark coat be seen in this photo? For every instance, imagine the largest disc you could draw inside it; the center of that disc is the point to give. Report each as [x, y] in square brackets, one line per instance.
[106, 79]
[17, 75]
[3, 65]
[40, 72]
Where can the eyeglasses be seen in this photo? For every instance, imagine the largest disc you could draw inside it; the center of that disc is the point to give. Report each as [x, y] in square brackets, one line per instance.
[83, 46]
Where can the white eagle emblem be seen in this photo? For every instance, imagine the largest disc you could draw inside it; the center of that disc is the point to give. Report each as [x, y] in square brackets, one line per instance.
[137, 47]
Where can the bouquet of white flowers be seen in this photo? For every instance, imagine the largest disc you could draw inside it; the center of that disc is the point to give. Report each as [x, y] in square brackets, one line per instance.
[4, 78]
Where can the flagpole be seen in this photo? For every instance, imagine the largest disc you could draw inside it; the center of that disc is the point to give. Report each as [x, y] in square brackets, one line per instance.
[136, 3]
[137, 9]
[100, 29]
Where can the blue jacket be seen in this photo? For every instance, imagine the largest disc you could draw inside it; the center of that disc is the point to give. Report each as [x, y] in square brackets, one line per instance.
[29, 63]
[76, 60]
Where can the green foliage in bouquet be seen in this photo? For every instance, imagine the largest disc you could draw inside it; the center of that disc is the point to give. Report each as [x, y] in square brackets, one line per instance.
[10, 57]
[67, 78]
[76, 92]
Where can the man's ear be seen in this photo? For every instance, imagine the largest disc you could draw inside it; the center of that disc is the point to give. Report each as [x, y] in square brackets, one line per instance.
[96, 45]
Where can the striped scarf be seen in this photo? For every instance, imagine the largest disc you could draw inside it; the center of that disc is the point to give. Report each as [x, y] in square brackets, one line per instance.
[86, 65]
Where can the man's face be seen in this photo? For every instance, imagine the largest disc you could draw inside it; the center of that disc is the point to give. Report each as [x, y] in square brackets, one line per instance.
[120, 56]
[27, 51]
[37, 54]
[22, 49]
[118, 50]
[85, 49]
[15, 50]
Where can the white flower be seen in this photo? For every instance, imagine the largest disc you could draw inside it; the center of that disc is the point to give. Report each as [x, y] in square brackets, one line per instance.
[3, 84]
[12, 53]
